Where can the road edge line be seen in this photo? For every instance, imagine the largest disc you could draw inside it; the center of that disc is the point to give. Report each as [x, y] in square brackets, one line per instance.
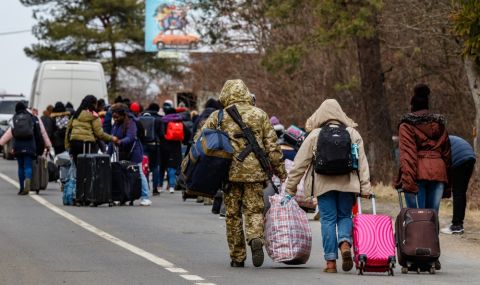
[165, 264]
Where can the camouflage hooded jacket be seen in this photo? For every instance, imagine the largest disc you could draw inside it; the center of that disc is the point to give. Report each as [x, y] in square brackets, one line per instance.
[236, 92]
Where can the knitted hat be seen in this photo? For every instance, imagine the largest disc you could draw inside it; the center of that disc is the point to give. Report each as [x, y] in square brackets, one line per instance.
[419, 99]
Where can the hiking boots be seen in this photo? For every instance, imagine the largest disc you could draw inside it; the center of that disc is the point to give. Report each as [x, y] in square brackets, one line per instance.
[234, 263]
[347, 262]
[26, 189]
[331, 267]
[452, 230]
[256, 246]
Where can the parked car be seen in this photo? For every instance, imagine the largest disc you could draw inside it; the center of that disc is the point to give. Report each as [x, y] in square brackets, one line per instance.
[7, 110]
[177, 39]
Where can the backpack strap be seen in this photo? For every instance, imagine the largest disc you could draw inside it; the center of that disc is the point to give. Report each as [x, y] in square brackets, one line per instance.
[219, 119]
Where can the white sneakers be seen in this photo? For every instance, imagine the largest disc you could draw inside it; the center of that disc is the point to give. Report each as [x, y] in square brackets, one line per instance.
[171, 190]
[145, 202]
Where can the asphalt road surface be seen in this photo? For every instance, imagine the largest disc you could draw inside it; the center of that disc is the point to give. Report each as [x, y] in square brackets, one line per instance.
[170, 242]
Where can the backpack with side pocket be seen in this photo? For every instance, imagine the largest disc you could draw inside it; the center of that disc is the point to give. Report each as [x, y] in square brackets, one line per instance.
[333, 155]
[208, 164]
[23, 126]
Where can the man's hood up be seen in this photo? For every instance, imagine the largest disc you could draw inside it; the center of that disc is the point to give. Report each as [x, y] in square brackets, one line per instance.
[329, 110]
[235, 91]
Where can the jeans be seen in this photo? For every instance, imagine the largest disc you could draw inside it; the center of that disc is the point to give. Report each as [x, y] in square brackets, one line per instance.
[171, 175]
[335, 209]
[460, 178]
[429, 195]
[24, 169]
[145, 189]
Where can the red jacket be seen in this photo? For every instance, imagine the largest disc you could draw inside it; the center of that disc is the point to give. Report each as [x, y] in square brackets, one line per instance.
[424, 149]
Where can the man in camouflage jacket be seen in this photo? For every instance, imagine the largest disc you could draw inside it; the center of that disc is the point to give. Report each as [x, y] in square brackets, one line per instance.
[247, 179]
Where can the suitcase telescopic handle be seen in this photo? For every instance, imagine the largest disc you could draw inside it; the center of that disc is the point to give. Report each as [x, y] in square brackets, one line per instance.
[401, 200]
[359, 203]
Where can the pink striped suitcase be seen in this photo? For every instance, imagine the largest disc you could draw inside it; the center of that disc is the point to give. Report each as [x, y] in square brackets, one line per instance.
[373, 242]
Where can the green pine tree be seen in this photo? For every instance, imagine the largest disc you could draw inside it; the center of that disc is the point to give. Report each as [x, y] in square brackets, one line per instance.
[108, 31]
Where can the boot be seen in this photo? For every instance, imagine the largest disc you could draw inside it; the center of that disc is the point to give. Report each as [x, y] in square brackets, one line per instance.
[347, 262]
[256, 246]
[234, 263]
[26, 189]
[331, 267]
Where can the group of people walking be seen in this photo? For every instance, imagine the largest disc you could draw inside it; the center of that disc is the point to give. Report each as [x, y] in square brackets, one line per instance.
[431, 161]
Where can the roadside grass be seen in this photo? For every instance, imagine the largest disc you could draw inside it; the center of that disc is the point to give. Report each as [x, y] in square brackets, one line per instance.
[387, 203]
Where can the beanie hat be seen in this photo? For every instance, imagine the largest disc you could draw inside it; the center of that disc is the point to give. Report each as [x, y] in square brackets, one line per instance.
[135, 108]
[169, 102]
[274, 121]
[419, 100]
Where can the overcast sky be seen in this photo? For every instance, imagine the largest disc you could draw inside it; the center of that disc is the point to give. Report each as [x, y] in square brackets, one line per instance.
[16, 69]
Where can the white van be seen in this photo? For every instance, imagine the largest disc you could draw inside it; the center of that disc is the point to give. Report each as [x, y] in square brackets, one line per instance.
[67, 81]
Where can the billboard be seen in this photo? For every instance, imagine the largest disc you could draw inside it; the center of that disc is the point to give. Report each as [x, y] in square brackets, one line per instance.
[169, 27]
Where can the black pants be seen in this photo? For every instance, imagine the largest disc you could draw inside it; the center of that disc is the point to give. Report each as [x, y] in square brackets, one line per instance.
[460, 177]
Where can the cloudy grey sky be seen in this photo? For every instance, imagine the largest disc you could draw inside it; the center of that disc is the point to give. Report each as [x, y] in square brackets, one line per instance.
[16, 69]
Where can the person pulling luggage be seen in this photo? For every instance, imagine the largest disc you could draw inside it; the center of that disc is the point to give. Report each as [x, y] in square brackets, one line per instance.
[335, 185]
[84, 128]
[129, 146]
[425, 154]
[28, 142]
[246, 176]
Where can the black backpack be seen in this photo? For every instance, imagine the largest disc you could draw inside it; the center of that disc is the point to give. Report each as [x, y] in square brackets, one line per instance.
[22, 126]
[148, 123]
[140, 132]
[334, 151]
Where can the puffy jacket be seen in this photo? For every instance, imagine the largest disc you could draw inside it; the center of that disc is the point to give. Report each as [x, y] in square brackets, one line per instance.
[425, 152]
[87, 127]
[130, 147]
[235, 92]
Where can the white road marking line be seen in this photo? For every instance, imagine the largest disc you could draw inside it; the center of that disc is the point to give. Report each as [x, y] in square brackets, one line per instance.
[192, 277]
[165, 264]
[176, 270]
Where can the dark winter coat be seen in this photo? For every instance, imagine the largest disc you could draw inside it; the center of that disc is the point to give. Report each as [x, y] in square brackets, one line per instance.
[33, 146]
[462, 151]
[130, 147]
[425, 152]
[159, 130]
[171, 151]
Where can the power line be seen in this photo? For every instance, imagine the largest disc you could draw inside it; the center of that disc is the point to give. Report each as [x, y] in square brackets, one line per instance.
[14, 32]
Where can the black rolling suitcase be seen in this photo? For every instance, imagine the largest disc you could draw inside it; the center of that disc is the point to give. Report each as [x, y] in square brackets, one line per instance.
[93, 180]
[126, 182]
[416, 234]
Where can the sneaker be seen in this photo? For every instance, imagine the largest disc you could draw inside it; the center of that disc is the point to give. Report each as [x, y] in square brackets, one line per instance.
[452, 230]
[171, 190]
[256, 246]
[145, 202]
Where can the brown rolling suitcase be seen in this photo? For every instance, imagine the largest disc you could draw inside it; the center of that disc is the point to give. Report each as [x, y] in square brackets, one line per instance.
[39, 174]
[416, 233]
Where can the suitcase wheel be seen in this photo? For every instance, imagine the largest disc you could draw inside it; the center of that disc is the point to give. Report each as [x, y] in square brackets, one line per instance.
[418, 270]
[404, 270]
[38, 191]
[361, 268]
[432, 270]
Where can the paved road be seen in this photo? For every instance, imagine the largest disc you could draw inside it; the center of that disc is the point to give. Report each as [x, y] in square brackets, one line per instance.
[39, 246]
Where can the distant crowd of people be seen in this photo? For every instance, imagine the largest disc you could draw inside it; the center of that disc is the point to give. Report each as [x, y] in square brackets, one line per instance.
[158, 137]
